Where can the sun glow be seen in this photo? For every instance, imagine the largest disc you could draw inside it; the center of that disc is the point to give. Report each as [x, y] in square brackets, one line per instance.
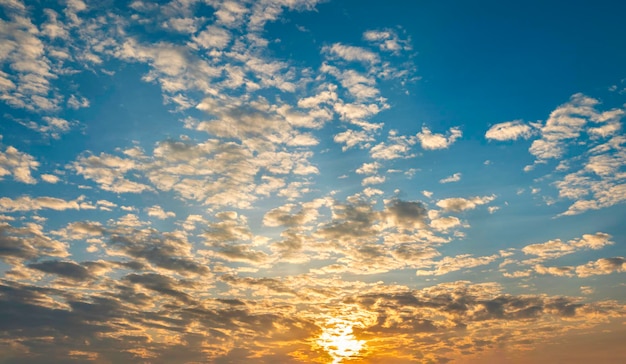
[339, 341]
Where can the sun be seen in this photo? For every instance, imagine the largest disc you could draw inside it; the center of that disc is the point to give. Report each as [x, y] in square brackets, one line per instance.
[339, 341]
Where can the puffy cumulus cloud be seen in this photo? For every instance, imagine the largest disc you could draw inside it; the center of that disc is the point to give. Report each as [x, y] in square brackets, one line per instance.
[459, 204]
[18, 165]
[109, 171]
[397, 146]
[602, 266]
[373, 180]
[213, 172]
[213, 37]
[431, 141]
[230, 239]
[509, 130]
[445, 223]
[405, 215]
[458, 320]
[351, 222]
[368, 168]
[289, 216]
[557, 248]
[24, 53]
[358, 85]
[50, 178]
[352, 138]
[159, 213]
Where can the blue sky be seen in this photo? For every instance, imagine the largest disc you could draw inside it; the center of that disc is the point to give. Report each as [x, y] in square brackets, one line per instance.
[305, 181]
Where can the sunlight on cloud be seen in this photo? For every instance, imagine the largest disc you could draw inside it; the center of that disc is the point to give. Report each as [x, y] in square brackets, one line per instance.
[304, 181]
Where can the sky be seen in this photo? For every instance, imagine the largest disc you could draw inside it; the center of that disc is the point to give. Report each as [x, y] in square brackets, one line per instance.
[306, 181]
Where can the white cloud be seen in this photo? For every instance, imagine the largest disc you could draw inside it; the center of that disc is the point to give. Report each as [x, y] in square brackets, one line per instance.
[461, 204]
[387, 40]
[430, 141]
[368, 168]
[351, 53]
[108, 171]
[50, 178]
[397, 146]
[454, 178]
[352, 138]
[373, 180]
[510, 130]
[159, 213]
[213, 37]
[18, 165]
[445, 223]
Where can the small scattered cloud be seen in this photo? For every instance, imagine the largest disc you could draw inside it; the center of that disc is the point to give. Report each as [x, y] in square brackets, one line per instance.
[458, 204]
[18, 165]
[159, 213]
[510, 130]
[432, 141]
[453, 178]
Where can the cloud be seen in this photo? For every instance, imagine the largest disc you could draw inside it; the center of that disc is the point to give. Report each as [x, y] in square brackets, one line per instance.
[451, 264]
[351, 53]
[27, 203]
[108, 171]
[510, 130]
[397, 146]
[373, 180]
[405, 214]
[68, 270]
[602, 266]
[557, 248]
[50, 178]
[158, 212]
[29, 86]
[555, 271]
[17, 164]
[52, 127]
[445, 223]
[387, 40]
[458, 204]
[454, 178]
[567, 122]
[430, 141]
[28, 242]
[352, 138]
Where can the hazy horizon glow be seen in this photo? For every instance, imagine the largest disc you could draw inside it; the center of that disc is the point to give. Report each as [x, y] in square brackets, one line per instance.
[306, 181]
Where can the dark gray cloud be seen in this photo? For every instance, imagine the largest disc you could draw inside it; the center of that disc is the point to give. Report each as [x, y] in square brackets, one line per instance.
[69, 270]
